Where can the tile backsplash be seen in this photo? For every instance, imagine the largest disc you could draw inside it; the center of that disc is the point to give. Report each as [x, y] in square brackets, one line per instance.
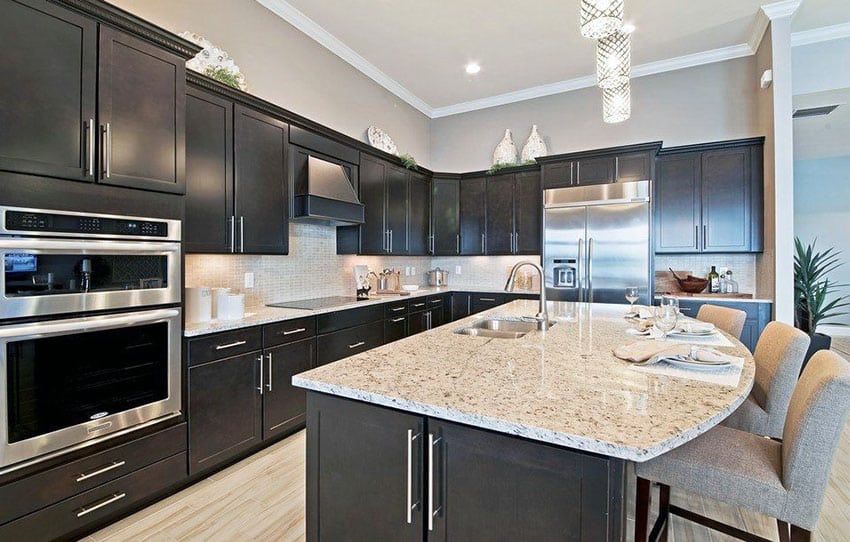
[314, 269]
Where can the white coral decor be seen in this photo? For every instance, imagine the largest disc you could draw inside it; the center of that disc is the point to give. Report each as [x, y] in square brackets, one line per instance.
[534, 147]
[505, 152]
[213, 59]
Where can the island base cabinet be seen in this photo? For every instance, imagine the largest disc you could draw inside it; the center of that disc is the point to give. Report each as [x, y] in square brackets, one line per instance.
[378, 474]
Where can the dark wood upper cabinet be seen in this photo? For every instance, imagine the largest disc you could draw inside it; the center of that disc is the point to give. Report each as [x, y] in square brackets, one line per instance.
[709, 198]
[557, 174]
[500, 214]
[528, 213]
[616, 164]
[209, 173]
[262, 225]
[141, 106]
[419, 229]
[397, 202]
[637, 166]
[598, 170]
[445, 216]
[373, 232]
[473, 215]
[48, 94]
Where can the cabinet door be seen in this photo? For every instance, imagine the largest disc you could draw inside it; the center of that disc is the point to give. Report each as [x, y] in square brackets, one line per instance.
[489, 486]
[224, 410]
[397, 201]
[445, 199]
[418, 212]
[461, 305]
[395, 329]
[500, 215]
[528, 213]
[373, 232]
[558, 174]
[261, 192]
[599, 170]
[49, 66]
[284, 405]
[364, 466]
[677, 204]
[418, 322]
[209, 223]
[636, 166]
[473, 212]
[141, 107]
[726, 209]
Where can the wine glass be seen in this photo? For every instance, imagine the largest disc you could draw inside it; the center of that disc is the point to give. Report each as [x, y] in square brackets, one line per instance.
[632, 295]
[670, 301]
[666, 318]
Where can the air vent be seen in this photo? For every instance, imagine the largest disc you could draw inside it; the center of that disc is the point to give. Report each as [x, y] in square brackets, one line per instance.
[815, 111]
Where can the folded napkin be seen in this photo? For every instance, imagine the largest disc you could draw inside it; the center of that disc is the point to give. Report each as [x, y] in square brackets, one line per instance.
[695, 326]
[710, 355]
[643, 351]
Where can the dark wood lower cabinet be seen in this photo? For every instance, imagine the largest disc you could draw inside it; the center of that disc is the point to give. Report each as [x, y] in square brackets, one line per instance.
[485, 485]
[395, 328]
[347, 342]
[284, 405]
[483, 302]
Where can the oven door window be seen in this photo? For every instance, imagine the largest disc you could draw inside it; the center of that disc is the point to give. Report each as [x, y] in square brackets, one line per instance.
[61, 381]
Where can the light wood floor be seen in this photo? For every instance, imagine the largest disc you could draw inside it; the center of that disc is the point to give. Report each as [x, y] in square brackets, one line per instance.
[262, 498]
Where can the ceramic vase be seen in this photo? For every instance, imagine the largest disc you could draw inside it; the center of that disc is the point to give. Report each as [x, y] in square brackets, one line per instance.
[534, 147]
[505, 152]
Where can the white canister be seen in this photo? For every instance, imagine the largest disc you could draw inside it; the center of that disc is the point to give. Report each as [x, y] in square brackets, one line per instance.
[216, 293]
[231, 307]
[198, 305]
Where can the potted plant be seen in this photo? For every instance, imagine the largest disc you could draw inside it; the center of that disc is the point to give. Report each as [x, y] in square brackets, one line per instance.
[815, 302]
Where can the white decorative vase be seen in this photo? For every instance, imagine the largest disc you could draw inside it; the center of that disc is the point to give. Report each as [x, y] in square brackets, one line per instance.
[534, 147]
[505, 152]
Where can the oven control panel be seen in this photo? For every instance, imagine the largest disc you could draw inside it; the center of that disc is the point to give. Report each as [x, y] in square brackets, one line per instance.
[26, 221]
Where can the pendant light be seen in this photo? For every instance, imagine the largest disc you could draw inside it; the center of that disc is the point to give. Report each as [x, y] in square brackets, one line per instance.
[617, 103]
[614, 59]
[599, 18]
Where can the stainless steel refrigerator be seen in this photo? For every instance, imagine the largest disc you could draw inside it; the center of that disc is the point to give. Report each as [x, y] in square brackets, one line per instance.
[596, 242]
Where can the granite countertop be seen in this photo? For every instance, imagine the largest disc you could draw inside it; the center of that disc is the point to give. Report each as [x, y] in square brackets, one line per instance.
[269, 315]
[562, 387]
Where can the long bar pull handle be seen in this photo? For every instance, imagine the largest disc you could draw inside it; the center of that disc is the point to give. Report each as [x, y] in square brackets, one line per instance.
[590, 270]
[431, 511]
[391, 241]
[230, 345]
[241, 234]
[260, 359]
[482, 244]
[704, 236]
[115, 497]
[106, 149]
[396, 309]
[516, 243]
[580, 278]
[411, 506]
[490, 299]
[232, 234]
[355, 345]
[269, 358]
[696, 237]
[293, 331]
[112, 466]
[397, 320]
[90, 140]
[457, 243]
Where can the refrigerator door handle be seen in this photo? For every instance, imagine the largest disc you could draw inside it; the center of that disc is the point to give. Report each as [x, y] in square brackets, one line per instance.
[580, 262]
[590, 269]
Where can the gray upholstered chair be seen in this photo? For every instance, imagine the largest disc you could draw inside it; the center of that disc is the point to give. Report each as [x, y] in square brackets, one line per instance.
[784, 480]
[729, 320]
[778, 357]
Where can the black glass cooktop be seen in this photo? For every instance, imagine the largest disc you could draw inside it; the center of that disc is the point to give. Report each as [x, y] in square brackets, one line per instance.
[317, 303]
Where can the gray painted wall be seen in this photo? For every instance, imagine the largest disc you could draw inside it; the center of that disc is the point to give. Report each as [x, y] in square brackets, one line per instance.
[284, 66]
[705, 103]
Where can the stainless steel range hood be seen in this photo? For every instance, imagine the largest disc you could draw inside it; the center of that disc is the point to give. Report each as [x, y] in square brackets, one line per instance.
[325, 195]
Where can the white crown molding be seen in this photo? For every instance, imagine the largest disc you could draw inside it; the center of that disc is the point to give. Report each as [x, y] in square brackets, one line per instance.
[759, 28]
[817, 35]
[315, 31]
[780, 10]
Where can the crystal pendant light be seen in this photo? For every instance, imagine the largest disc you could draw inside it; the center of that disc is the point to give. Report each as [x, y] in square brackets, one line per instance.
[599, 18]
[616, 103]
[613, 59]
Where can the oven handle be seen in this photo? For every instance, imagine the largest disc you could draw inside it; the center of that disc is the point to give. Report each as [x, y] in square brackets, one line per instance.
[93, 246]
[89, 323]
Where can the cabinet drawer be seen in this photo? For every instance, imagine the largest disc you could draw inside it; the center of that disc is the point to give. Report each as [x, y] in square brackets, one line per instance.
[348, 342]
[418, 305]
[225, 345]
[397, 308]
[334, 321]
[289, 331]
[482, 302]
[93, 507]
[434, 301]
[395, 328]
[45, 488]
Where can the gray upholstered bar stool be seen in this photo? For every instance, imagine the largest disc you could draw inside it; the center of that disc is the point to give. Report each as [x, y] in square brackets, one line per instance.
[779, 355]
[729, 320]
[784, 480]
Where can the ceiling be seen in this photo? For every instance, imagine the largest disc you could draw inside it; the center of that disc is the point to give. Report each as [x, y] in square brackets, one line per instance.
[826, 136]
[419, 49]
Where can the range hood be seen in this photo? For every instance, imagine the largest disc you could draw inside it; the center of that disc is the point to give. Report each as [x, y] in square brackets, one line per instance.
[325, 194]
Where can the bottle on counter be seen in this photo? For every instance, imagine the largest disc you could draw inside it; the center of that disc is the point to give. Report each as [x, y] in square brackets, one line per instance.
[731, 284]
[713, 281]
[723, 285]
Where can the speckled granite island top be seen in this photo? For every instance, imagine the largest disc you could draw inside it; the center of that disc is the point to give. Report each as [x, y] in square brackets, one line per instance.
[562, 387]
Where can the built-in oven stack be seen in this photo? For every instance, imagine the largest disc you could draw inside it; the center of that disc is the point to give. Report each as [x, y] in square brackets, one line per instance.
[90, 329]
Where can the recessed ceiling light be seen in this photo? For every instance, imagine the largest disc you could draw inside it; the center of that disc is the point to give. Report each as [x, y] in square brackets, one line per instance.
[628, 28]
[472, 68]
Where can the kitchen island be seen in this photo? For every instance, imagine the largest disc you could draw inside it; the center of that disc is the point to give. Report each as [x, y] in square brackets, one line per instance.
[444, 436]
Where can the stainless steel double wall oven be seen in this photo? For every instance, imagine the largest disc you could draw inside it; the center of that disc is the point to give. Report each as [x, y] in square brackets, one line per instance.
[90, 328]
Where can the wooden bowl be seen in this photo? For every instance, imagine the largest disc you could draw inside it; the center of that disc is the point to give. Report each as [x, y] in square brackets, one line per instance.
[692, 285]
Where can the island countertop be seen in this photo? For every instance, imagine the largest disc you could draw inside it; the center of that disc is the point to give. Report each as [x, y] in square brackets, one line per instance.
[562, 386]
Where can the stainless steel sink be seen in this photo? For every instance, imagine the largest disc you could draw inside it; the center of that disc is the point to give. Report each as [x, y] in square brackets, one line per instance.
[499, 328]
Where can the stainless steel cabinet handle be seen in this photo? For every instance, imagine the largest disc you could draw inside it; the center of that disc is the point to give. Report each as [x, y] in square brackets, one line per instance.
[431, 511]
[241, 234]
[696, 237]
[397, 320]
[704, 236]
[516, 243]
[436, 301]
[391, 241]
[457, 243]
[260, 359]
[410, 504]
[269, 358]
[355, 345]
[579, 271]
[396, 309]
[115, 497]
[491, 299]
[482, 243]
[101, 470]
[430, 320]
[418, 304]
[232, 234]
[590, 270]
[106, 149]
[293, 331]
[230, 345]
[90, 140]
[431, 243]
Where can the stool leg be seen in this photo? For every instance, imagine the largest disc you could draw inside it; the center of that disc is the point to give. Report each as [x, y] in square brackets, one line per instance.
[643, 500]
[784, 533]
[664, 511]
[800, 535]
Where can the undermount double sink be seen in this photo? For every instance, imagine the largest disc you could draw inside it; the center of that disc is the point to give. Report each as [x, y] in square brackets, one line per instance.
[500, 328]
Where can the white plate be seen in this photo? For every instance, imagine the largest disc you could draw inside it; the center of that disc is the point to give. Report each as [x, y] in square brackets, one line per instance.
[683, 333]
[697, 365]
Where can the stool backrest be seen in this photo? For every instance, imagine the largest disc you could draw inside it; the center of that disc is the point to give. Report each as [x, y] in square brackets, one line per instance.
[729, 320]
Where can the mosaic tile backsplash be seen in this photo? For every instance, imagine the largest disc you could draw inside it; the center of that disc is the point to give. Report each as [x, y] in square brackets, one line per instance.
[314, 269]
